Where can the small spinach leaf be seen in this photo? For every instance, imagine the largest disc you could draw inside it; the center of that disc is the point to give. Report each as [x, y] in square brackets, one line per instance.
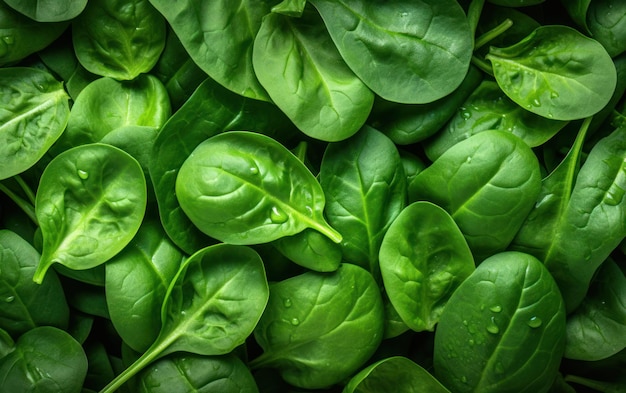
[90, 203]
[310, 249]
[423, 259]
[49, 10]
[246, 188]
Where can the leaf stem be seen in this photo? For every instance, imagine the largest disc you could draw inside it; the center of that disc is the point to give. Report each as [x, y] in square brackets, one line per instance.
[482, 64]
[26, 207]
[474, 11]
[492, 34]
[26, 188]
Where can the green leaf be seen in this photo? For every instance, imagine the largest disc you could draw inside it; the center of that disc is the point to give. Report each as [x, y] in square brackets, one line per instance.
[556, 72]
[304, 74]
[219, 36]
[246, 188]
[503, 329]
[423, 259]
[118, 39]
[405, 51]
[90, 203]
[34, 111]
[48, 10]
[319, 328]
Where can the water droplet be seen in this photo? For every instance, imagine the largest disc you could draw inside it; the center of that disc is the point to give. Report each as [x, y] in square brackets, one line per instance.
[295, 321]
[464, 379]
[254, 170]
[468, 160]
[466, 115]
[9, 39]
[9, 299]
[287, 302]
[83, 174]
[554, 94]
[465, 322]
[534, 322]
[471, 342]
[492, 327]
[496, 308]
[536, 102]
[278, 216]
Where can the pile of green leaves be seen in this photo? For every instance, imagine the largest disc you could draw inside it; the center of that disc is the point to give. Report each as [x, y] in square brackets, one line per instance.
[324, 195]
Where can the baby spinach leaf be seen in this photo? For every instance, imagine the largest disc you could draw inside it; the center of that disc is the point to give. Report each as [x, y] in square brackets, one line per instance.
[310, 249]
[423, 259]
[178, 373]
[34, 111]
[136, 282]
[119, 39]
[48, 10]
[210, 110]
[593, 224]
[206, 312]
[304, 74]
[293, 8]
[597, 328]
[503, 329]
[90, 203]
[488, 183]
[45, 359]
[219, 36]
[397, 371]
[365, 185]
[319, 328]
[22, 36]
[406, 124]
[246, 188]
[106, 104]
[606, 24]
[488, 108]
[556, 72]
[26, 305]
[404, 51]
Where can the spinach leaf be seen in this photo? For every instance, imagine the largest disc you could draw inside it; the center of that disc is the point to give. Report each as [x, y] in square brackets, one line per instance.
[136, 282]
[556, 72]
[404, 51]
[47, 10]
[488, 108]
[246, 188]
[310, 249]
[45, 359]
[607, 24]
[119, 39]
[488, 183]
[365, 185]
[397, 371]
[205, 311]
[503, 329]
[106, 104]
[210, 110]
[304, 74]
[34, 111]
[219, 36]
[178, 373]
[90, 203]
[293, 8]
[423, 259]
[597, 328]
[319, 328]
[7, 345]
[593, 224]
[22, 36]
[26, 305]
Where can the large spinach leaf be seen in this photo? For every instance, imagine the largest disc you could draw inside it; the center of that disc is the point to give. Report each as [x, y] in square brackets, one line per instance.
[34, 111]
[319, 328]
[219, 36]
[431, 51]
[503, 329]
[90, 203]
[488, 183]
[304, 74]
[246, 188]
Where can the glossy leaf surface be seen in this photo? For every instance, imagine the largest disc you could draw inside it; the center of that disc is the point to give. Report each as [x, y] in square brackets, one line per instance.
[49, 10]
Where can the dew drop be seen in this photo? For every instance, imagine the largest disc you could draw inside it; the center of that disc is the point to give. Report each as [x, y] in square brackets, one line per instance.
[554, 94]
[83, 174]
[534, 322]
[254, 170]
[9, 39]
[536, 102]
[466, 115]
[287, 302]
[9, 299]
[496, 308]
[278, 216]
[465, 322]
[468, 160]
[295, 321]
[464, 379]
[493, 328]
